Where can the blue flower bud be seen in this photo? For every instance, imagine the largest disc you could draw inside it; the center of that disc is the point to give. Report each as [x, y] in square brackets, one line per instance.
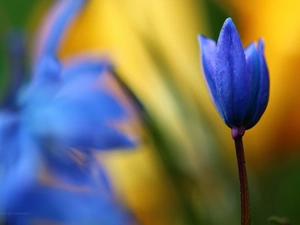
[238, 78]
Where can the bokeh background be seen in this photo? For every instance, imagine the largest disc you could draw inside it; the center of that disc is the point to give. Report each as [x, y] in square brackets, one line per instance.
[184, 170]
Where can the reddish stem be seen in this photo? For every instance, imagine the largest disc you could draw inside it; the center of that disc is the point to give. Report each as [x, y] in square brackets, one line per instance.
[237, 134]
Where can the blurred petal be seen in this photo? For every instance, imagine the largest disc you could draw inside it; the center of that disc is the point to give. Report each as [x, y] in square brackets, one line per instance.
[19, 164]
[78, 124]
[47, 70]
[73, 167]
[9, 125]
[69, 165]
[58, 18]
[85, 64]
[45, 81]
[84, 92]
[78, 114]
[112, 139]
[44, 204]
[231, 74]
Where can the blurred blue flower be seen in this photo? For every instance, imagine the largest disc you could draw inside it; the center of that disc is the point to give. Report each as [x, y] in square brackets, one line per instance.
[238, 79]
[50, 129]
[43, 204]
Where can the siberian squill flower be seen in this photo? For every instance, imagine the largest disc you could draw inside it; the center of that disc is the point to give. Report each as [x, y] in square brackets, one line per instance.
[50, 129]
[237, 78]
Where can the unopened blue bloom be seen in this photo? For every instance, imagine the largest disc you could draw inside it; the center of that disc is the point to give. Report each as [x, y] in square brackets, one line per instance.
[238, 78]
[50, 129]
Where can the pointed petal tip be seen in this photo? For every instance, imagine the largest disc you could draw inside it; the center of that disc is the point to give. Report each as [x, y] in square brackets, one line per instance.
[229, 31]
[261, 45]
[48, 65]
[200, 38]
[54, 24]
[206, 42]
[203, 40]
[229, 24]
[250, 50]
[228, 20]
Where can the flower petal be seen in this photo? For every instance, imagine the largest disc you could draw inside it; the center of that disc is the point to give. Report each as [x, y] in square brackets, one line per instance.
[58, 18]
[85, 64]
[79, 127]
[73, 167]
[208, 56]
[45, 81]
[18, 162]
[253, 68]
[263, 91]
[231, 79]
[79, 115]
[83, 94]
[47, 70]
[43, 205]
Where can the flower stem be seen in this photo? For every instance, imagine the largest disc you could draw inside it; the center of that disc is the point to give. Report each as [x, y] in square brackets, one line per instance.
[237, 135]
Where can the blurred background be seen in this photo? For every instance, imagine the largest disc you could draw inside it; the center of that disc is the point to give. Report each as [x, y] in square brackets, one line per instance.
[184, 170]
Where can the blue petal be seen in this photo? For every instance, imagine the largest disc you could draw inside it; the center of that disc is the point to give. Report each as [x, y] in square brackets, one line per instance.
[47, 70]
[58, 18]
[111, 138]
[85, 65]
[9, 127]
[74, 167]
[79, 126]
[27, 202]
[231, 79]
[263, 91]
[46, 79]
[19, 164]
[84, 96]
[68, 165]
[253, 68]
[52, 205]
[208, 56]
[78, 115]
